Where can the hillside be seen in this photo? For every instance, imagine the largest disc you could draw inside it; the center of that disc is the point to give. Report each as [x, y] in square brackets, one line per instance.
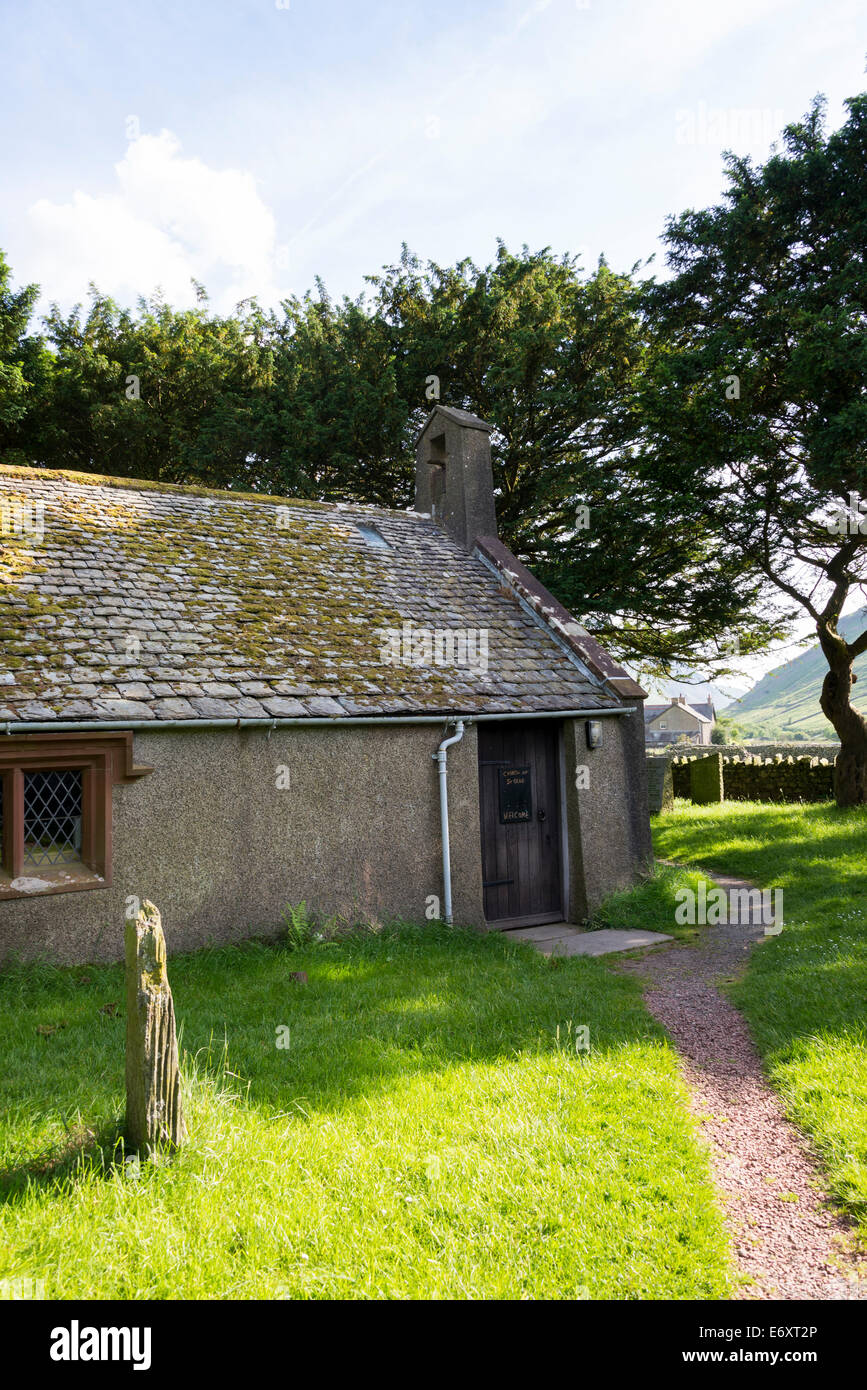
[785, 702]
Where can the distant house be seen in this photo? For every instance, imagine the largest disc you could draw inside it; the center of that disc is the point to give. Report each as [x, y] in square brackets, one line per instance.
[679, 722]
[230, 703]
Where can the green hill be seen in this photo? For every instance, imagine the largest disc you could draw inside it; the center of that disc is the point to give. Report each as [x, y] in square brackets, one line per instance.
[785, 702]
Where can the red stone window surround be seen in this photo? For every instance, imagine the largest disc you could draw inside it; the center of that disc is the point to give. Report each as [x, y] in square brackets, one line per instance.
[55, 811]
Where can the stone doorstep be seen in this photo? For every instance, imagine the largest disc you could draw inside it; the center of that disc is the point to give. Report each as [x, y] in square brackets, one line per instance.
[551, 931]
[560, 939]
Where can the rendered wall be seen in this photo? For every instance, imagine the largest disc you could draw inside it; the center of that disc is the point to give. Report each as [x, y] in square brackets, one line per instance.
[608, 821]
[210, 839]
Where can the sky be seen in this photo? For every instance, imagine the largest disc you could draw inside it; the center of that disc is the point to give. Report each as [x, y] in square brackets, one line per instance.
[253, 145]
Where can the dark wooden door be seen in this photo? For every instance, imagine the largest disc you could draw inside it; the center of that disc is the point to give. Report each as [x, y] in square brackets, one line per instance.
[519, 787]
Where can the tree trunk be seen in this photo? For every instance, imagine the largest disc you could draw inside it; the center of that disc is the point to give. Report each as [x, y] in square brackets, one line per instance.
[850, 775]
[153, 1094]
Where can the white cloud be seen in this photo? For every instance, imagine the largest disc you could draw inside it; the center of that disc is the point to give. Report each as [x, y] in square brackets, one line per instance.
[171, 219]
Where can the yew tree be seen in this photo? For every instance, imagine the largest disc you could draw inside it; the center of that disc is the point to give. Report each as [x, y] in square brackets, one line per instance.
[755, 403]
[553, 356]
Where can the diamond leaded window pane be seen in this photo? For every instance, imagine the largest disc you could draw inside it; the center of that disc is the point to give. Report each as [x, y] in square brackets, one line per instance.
[52, 818]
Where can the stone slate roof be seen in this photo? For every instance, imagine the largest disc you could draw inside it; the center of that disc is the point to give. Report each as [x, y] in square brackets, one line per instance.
[147, 601]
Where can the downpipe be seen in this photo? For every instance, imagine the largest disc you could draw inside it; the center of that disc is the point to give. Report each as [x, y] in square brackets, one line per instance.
[440, 757]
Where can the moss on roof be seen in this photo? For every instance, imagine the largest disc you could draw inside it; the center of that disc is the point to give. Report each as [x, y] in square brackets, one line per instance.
[170, 489]
[158, 599]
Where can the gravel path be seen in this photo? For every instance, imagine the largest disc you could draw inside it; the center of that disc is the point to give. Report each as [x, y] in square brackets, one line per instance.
[788, 1242]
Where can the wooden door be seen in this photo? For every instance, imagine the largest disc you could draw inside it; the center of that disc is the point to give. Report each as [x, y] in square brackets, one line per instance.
[519, 788]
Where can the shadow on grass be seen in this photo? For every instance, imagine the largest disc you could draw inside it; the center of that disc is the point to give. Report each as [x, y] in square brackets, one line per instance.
[81, 1149]
[770, 844]
[377, 1011]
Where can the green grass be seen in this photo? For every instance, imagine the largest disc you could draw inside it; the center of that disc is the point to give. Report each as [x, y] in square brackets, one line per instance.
[805, 993]
[431, 1132]
[652, 905]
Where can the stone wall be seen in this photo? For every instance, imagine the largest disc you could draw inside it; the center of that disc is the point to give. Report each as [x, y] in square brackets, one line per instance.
[762, 779]
[826, 749]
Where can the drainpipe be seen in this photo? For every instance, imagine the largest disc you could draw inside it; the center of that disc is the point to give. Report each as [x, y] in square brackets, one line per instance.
[440, 756]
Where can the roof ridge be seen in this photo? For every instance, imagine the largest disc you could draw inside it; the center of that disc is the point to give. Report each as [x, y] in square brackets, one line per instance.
[71, 475]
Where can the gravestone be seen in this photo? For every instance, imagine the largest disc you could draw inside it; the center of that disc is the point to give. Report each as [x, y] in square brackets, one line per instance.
[154, 1117]
[660, 786]
[706, 780]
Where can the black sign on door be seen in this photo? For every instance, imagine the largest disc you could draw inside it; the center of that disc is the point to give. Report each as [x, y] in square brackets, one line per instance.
[519, 790]
[516, 795]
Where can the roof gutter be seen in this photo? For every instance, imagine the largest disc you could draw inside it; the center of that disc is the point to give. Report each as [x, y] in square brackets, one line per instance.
[65, 726]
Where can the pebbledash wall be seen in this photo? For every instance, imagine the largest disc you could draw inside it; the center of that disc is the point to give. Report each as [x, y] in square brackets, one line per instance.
[222, 852]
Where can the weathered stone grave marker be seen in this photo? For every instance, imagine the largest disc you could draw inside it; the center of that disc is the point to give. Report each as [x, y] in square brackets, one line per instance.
[154, 1117]
[706, 779]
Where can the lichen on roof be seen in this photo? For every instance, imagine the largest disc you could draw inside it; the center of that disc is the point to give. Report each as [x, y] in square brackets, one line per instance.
[166, 602]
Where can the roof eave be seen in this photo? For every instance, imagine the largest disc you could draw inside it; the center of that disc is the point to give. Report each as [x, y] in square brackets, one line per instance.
[602, 669]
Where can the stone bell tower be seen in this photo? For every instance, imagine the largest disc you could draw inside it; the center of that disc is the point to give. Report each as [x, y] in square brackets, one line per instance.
[453, 476]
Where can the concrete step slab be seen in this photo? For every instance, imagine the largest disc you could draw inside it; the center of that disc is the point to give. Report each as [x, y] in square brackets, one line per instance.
[551, 931]
[602, 943]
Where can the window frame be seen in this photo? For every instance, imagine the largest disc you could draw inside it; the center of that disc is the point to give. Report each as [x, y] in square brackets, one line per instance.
[104, 760]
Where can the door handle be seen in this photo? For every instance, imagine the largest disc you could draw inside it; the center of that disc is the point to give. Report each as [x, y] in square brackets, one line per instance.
[540, 813]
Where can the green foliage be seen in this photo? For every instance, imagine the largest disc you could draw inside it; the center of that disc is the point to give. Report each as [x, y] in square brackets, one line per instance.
[335, 421]
[652, 905]
[725, 731]
[23, 363]
[554, 358]
[755, 404]
[706, 505]
[787, 698]
[161, 394]
[323, 400]
[301, 930]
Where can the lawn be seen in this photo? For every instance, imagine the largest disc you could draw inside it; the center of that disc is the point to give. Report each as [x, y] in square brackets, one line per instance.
[431, 1131]
[805, 993]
